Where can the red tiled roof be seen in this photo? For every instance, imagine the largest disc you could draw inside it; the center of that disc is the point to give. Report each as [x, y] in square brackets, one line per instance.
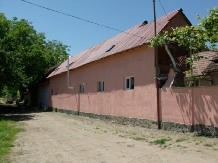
[205, 65]
[134, 37]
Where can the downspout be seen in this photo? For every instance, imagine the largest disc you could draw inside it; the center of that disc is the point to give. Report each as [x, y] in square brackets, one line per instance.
[68, 76]
[157, 72]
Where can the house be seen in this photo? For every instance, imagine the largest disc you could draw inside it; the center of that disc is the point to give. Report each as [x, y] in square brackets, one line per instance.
[39, 92]
[117, 76]
[206, 69]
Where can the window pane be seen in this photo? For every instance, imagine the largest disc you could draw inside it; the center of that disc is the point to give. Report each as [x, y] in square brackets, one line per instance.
[127, 83]
[132, 82]
[99, 86]
[81, 88]
[102, 86]
[197, 83]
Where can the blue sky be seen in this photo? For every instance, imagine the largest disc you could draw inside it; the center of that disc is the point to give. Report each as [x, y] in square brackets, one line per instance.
[119, 14]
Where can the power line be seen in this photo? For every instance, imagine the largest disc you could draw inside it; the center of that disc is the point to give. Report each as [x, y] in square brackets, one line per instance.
[164, 9]
[76, 17]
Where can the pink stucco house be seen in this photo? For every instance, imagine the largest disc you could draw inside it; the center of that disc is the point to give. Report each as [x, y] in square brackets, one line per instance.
[116, 78]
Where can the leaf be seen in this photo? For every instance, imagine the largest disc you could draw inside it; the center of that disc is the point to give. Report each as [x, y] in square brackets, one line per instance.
[25, 53]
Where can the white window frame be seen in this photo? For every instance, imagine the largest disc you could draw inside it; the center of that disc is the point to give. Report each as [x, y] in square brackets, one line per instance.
[100, 86]
[81, 88]
[129, 81]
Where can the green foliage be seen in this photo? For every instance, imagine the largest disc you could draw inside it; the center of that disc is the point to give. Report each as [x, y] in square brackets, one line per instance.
[208, 145]
[193, 37]
[25, 54]
[139, 139]
[181, 140]
[18, 94]
[8, 131]
[5, 91]
[189, 73]
[160, 141]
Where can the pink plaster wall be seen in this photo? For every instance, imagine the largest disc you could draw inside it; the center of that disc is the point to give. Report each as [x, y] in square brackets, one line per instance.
[206, 105]
[197, 105]
[138, 103]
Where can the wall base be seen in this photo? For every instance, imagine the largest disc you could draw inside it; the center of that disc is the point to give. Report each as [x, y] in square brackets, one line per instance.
[116, 119]
[199, 129]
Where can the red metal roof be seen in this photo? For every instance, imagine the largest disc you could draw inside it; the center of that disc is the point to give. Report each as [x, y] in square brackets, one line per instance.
[133, 37]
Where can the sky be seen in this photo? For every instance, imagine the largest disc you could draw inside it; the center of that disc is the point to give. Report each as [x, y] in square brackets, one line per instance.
[119, 14]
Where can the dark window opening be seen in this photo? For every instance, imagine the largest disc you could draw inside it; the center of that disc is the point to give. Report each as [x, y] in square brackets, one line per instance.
[101, 86]
[129, 83]
[81, 88]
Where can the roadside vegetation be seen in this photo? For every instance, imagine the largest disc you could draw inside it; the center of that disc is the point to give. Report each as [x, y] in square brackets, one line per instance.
[21, 49]
[8, 132]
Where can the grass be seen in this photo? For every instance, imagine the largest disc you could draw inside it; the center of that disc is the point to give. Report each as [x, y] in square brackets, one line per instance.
[122, 136]
[181, 140]
[208, 145]
[139, 139]
[160, 141]
[8, 131]
[3, 99]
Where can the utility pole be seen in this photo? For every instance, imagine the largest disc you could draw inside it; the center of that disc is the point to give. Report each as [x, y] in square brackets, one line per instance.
[157, 71]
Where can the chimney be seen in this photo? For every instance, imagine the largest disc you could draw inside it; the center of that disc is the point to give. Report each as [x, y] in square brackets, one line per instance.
[144, 23]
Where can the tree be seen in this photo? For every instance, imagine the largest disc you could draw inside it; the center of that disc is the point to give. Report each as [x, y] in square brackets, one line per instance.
[25, 54]
[200, 37]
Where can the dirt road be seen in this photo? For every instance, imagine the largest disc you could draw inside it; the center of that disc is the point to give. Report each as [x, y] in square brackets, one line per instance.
[61, 138]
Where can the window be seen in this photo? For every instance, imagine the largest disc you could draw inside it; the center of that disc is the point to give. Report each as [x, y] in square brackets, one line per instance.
[129, 83]
[81, 89]
[195, 83]
[211, 82]
[100, 86]
[56, 91]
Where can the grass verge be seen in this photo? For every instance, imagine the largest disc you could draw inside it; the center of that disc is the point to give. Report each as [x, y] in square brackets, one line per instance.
[160, 141]
[181, 140]
[8, 131]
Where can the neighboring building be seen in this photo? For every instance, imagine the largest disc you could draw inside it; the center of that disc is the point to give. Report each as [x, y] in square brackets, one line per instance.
[206, 69]
[39, 92]
[117, 76]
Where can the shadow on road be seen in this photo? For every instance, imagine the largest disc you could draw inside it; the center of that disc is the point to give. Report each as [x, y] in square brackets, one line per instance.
[17, 113]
